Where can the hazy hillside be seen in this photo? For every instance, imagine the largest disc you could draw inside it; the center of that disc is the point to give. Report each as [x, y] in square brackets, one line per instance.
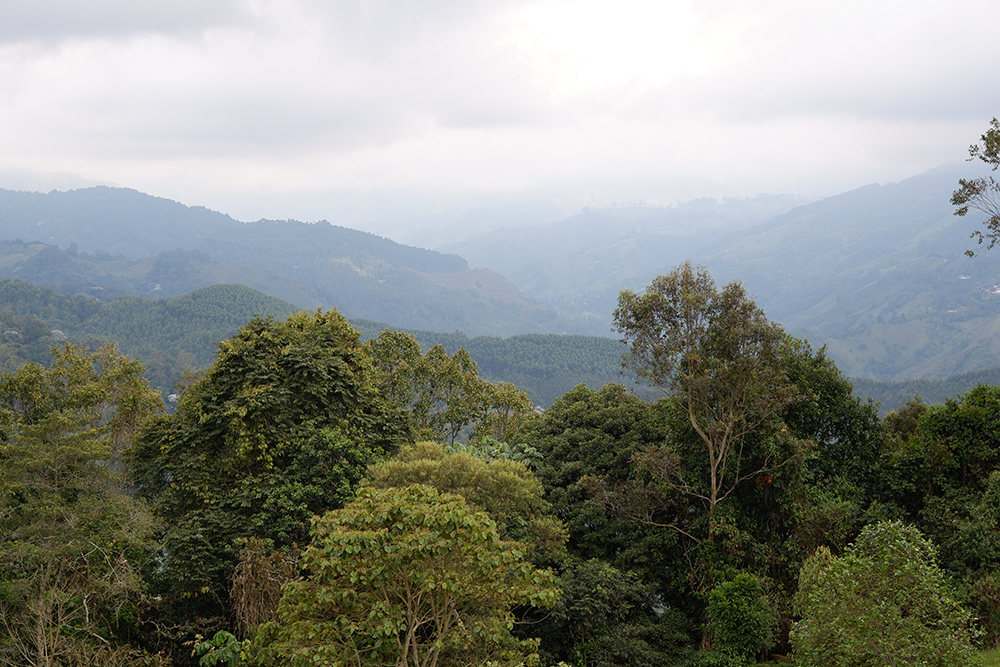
[580, 264]
[107, 242]
[880, 276]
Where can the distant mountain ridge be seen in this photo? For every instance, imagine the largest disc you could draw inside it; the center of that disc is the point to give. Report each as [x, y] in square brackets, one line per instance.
[878, 274]
[106, 242]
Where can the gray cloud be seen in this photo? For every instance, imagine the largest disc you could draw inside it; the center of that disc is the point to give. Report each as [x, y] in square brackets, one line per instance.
[312, 95]
[47, 20]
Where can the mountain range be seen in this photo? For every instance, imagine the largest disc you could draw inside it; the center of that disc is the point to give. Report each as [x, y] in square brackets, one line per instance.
[878, 274]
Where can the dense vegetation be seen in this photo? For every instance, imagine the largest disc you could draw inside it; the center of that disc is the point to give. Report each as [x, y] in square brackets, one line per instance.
[287, 513]
[174, 334]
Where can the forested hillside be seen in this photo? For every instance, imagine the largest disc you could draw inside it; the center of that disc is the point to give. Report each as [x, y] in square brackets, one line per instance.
[106, 242]
[173, 334]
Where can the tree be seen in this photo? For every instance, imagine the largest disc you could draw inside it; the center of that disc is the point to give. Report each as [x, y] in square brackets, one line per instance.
[884, 602]
[719, 356]
[590, 433]
[982, 194]
[407, 576]
[506, 490]
[444, 393]
[72, 541]
[607, 617]
[282, 427]
[743, 623]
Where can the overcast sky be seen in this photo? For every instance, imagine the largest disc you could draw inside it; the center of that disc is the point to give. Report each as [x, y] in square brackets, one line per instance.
[231, 103]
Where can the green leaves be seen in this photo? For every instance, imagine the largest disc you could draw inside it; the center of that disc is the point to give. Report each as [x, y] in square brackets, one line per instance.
[982, 194]
[281, 428]
[885, 601]
[72, 542]
[408, 574]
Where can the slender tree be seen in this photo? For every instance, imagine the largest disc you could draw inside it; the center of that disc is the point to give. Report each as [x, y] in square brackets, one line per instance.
[982, 194]
[717, 355]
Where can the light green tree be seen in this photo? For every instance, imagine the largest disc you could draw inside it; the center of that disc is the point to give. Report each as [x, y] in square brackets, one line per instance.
[741, 620]
[407, 577]
[884, 602]
[443, 392]
[72, 541]
[506, 490]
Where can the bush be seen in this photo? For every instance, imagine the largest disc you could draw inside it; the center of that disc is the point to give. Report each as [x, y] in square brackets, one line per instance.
[884, 602]
[742, 621]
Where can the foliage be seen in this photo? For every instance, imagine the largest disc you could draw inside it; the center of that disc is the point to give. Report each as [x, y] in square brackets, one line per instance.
[609, 617]
[72, 542]
[982, 194]
[594, 433]
[408, 577]
[257, 582]
[222, 649]
[720, 356]
[884, 602]
[742, 621]
[491, 449]
[443, 392]
[504, 489]
[281, 427]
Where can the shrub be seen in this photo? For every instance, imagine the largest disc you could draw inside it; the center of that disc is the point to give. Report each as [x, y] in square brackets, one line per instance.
[741, 619]
[884, 602]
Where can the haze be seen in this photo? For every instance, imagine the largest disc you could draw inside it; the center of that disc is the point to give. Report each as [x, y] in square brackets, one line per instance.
[289, 108]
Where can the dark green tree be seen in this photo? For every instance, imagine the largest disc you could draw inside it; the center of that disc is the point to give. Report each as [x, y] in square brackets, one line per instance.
[281, 428]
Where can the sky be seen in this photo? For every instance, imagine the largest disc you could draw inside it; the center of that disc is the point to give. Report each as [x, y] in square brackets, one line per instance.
[270, 108]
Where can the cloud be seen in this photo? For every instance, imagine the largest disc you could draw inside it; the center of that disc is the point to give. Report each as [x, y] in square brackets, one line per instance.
[48, 20]
[185, 99]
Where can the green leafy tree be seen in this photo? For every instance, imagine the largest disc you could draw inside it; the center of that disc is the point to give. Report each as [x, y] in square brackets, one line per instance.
[72, 541]
[407, 576]
[506, 490]
[742, 621]
[444, 393]
[982, 194]
[607, 617]
[594, 433]
[717, 354]
[281, 427]
[503, 413]
[884, 602]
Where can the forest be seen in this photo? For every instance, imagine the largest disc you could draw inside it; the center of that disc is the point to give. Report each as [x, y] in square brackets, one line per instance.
[320, 498]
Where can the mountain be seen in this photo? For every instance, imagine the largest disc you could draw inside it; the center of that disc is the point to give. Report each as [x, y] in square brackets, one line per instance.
[580, 264]
[879, 275]
[107, 242]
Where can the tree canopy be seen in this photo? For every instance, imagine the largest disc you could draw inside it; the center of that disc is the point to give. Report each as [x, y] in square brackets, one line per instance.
[716, 352]
[281, 427]
[411, 577]
[73, 542]
[884, 602]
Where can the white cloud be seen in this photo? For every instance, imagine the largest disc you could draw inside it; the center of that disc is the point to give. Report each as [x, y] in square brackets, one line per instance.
[209, 99]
